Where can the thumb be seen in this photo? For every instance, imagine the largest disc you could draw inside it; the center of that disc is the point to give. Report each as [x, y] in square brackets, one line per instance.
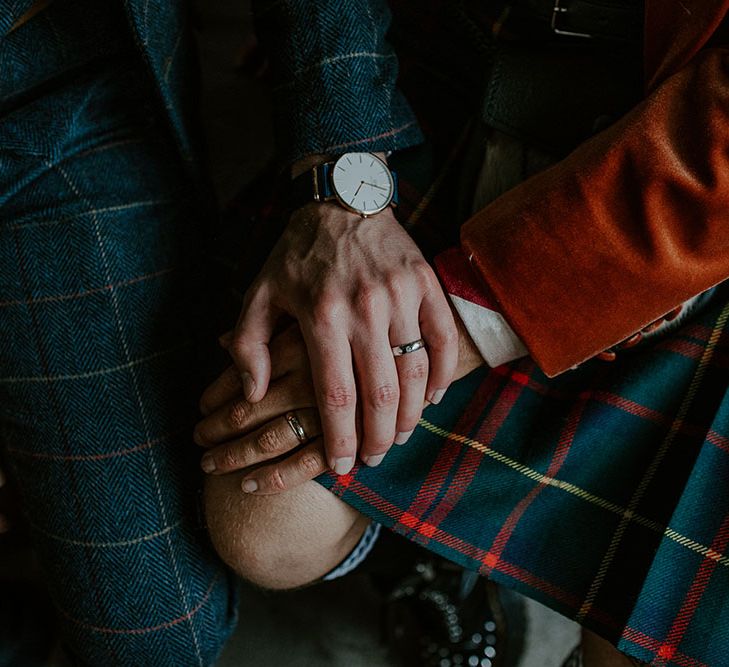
[249, 346]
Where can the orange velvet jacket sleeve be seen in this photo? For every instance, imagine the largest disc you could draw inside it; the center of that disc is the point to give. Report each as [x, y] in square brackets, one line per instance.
[632, 223]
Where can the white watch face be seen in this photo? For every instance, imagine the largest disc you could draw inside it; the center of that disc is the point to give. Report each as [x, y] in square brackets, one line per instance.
[363, 182]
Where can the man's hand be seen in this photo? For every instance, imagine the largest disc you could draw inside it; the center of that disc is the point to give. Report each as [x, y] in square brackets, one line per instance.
[357, 287]
[244, 435]
[241, 434]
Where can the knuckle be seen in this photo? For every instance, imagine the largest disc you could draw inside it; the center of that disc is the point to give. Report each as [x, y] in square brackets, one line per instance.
[395, 284]
[326, 309]
[228, 458]
[384, 396]
[338, 397]
[311, 463]
[370, 302]
[238, 414]
[275, 481]
[417, 370]
[268, 442]
[423, 273]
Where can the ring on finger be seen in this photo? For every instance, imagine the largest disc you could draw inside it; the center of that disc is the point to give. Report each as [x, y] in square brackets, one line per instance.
[407, 348]
[296, 427]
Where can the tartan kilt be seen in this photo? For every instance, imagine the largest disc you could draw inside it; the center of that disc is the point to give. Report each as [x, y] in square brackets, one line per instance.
[601, 493]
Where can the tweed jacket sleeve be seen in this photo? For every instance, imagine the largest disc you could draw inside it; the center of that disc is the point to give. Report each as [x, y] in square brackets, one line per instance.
[633, 223]
[333, 77]
[10, 12]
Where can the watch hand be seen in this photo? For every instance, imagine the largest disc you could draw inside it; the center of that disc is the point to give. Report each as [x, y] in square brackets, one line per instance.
[358, 189]
[379, 187]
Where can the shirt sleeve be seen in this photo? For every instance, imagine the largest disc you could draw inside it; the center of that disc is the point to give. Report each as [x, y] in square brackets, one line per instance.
[334, 77]
[491, 333]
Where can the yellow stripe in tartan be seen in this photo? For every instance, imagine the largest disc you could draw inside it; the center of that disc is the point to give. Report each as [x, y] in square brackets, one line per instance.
[583, 494]
[676, 426]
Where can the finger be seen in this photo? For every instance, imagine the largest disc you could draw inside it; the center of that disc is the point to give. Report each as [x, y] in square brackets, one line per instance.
[249, 346]
[3, 478]
[239, 416]
[412, 373]
[379, 395]
[336, 394]
[223, 389]
[270, 441]
[439, 331]
[306, 464]
[4, 524]
[288, 353]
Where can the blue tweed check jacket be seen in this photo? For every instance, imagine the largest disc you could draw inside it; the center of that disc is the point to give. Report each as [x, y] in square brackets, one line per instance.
[341, 74]
[343, 50]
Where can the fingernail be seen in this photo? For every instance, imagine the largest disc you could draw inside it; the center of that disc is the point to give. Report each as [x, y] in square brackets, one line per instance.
[249, 384]
[197, 438]
[373, 461]
[208, 463]
[249, 485]
[402, 438]
[343, 465]
[437, 396]
[4, 524]
[3, 479]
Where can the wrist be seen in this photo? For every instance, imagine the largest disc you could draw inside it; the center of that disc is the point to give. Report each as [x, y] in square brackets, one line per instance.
[308, 162]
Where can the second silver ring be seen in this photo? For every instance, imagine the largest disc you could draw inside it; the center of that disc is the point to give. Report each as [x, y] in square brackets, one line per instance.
[407, 348]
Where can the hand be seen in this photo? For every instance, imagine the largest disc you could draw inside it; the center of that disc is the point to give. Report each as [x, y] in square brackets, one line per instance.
[251, 435]
[240, 434]
[357, 287]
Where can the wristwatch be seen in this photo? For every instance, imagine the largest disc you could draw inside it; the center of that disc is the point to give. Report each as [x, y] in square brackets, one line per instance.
[360, 182]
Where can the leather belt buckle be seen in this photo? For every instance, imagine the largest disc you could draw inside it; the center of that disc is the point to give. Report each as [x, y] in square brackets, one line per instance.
[559, 14]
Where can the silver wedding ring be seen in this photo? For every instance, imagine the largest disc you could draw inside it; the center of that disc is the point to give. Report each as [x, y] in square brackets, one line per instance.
[407, 348]
[296, 427]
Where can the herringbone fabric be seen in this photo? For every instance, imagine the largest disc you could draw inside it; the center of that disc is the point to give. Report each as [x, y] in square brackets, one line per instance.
[100, 305]
[333, 77]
